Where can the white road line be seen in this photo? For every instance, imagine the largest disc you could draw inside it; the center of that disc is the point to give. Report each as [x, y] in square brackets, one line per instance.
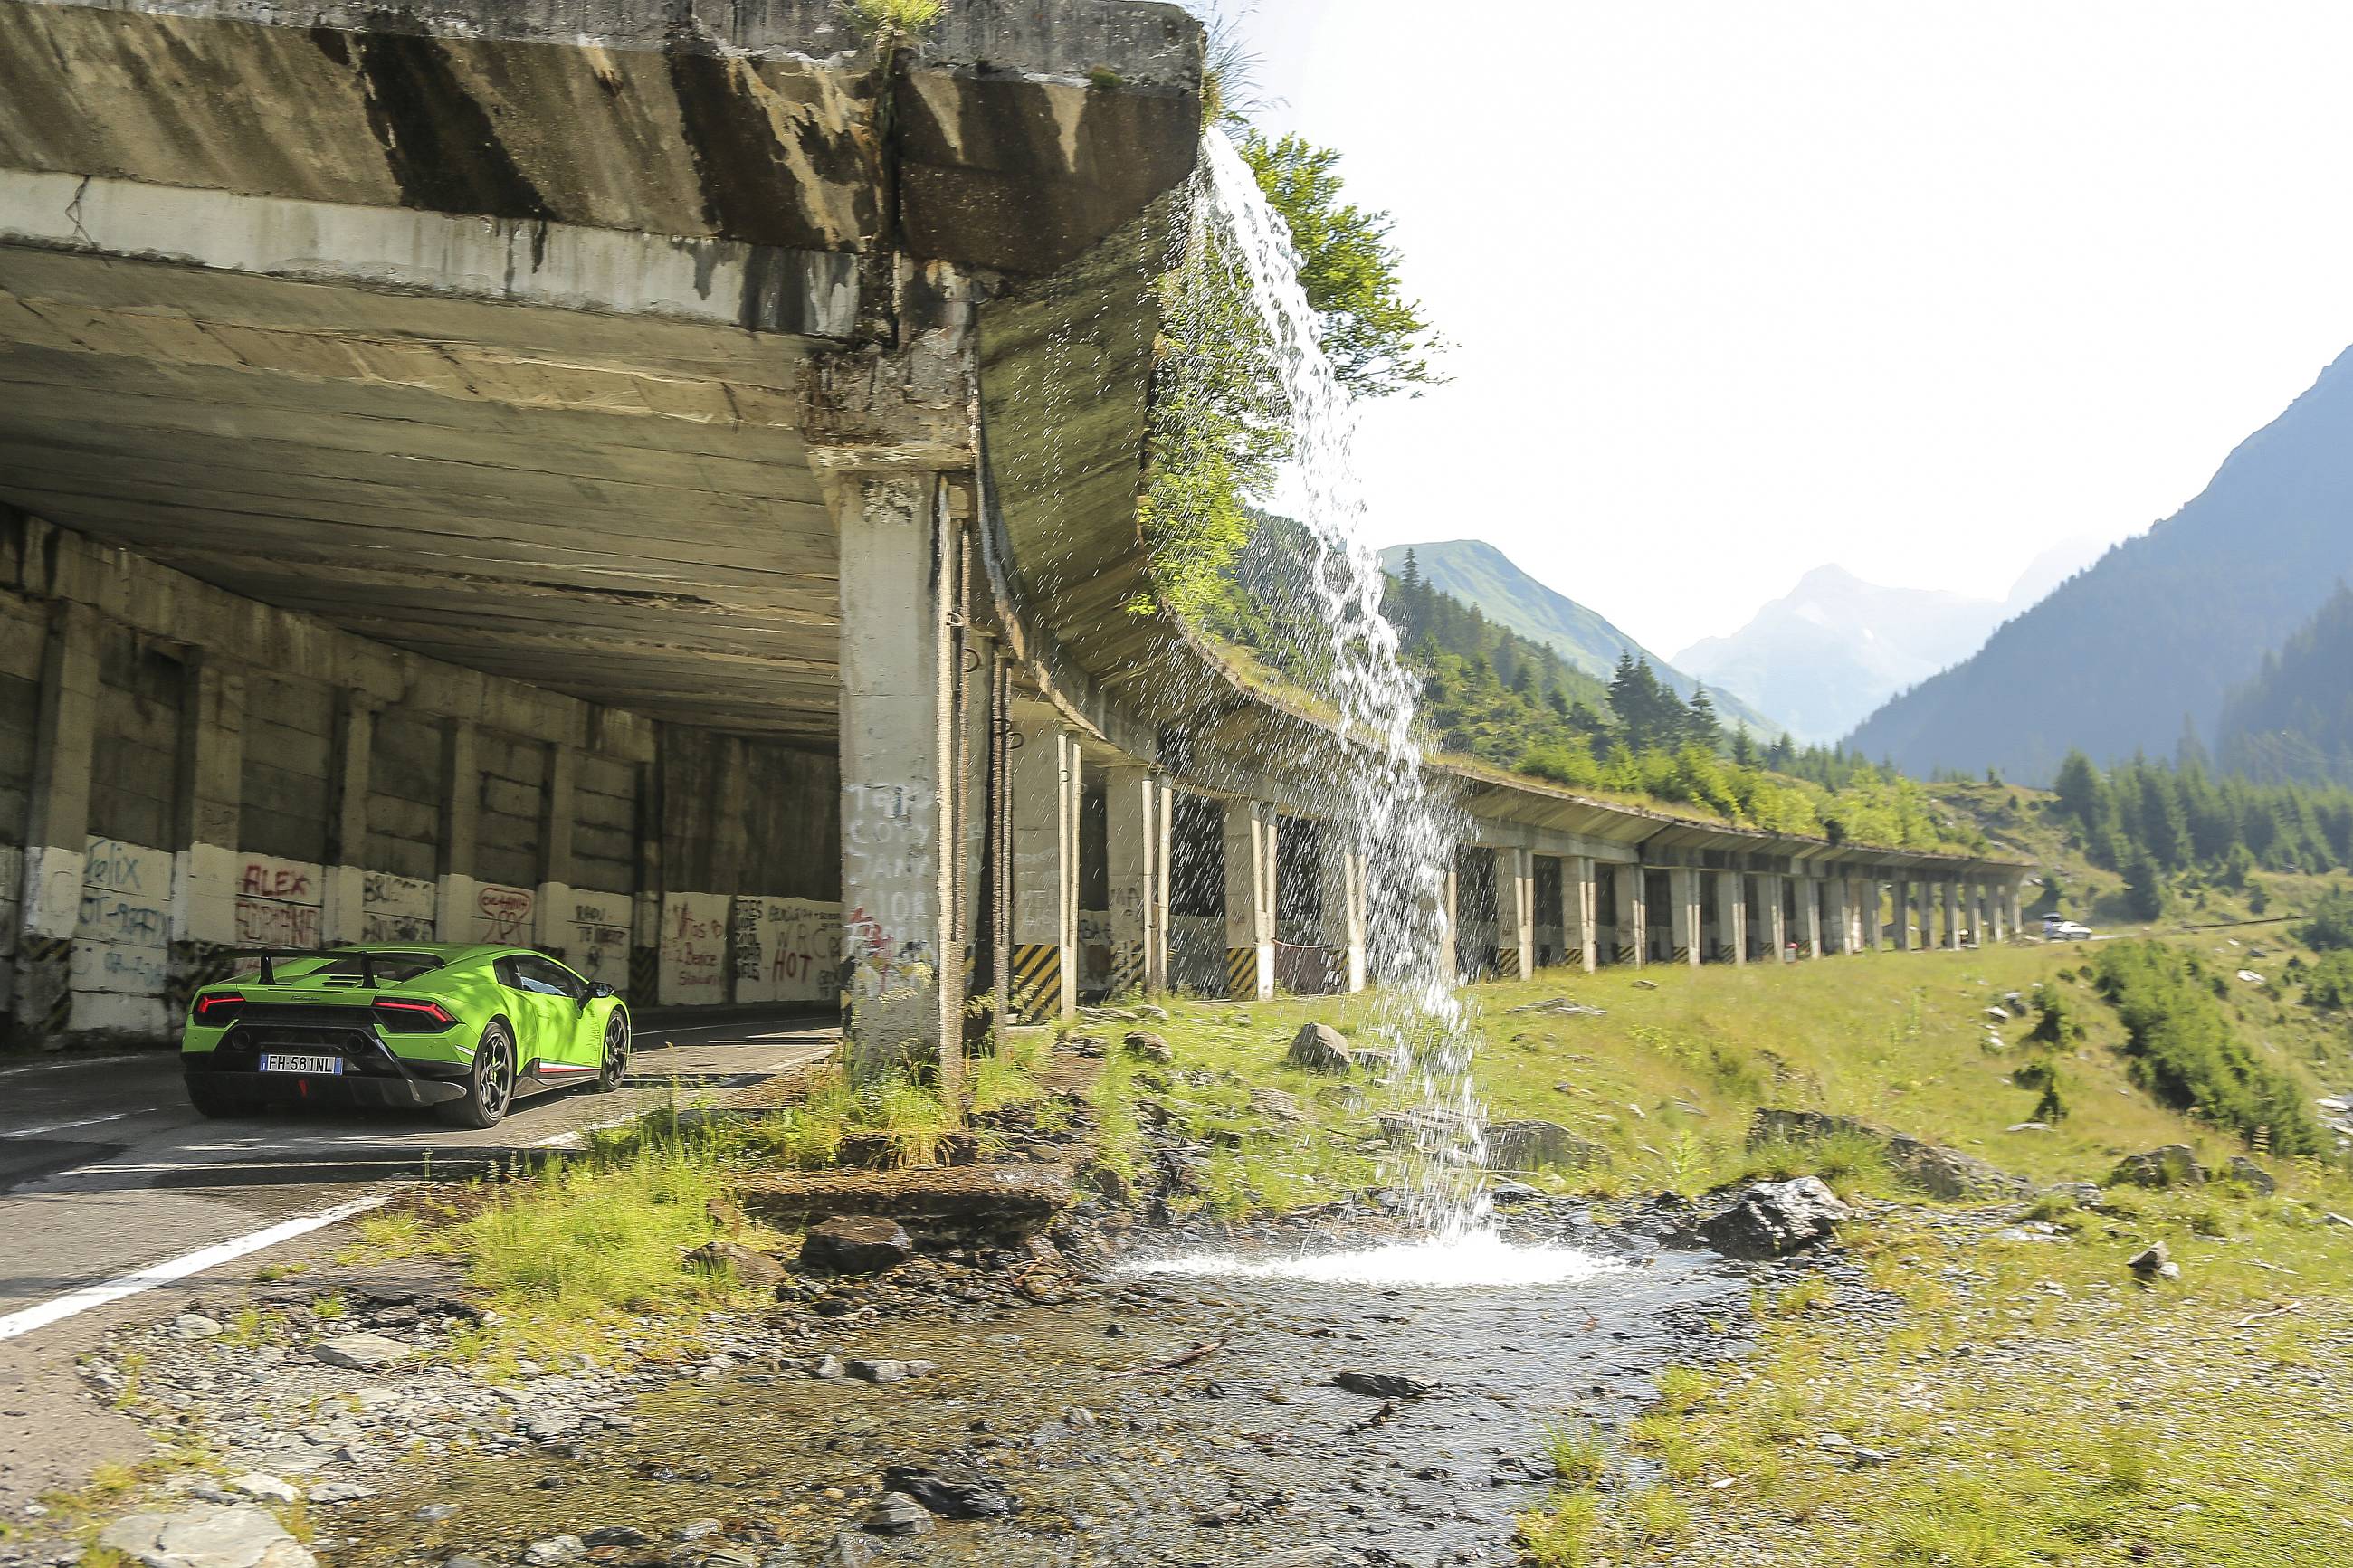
[59, 1308]
[85, 1122]
[592, 1127]
[79, 1062]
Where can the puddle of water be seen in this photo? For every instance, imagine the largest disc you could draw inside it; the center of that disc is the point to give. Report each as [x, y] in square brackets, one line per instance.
[1477, 1260]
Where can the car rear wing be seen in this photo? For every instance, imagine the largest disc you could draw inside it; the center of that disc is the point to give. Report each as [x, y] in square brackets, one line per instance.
[271, 956]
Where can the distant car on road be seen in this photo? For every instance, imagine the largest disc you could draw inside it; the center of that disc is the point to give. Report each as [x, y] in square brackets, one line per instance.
[464, 1029]
[2056, 929]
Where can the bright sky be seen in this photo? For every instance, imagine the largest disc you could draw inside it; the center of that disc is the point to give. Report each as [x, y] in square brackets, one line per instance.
[1741, 288]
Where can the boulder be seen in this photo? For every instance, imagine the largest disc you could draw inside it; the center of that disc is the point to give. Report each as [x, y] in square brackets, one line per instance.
[2174, 1165]
[1276, 1106]
[2251, 1176]
[206, 1537]
[1776, 1217]
[1320, 1049]
[897, 1514]
[1939, 1171]
[2083, 1194]
[856, 1243]
[2151, 1264]
[750, 1267]
[1148, 1047]
[1525, 1145]
[952, 1492]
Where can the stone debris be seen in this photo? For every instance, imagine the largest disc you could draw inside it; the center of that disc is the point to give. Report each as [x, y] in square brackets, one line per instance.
[952, 1493]
[361, 1352]
[1320, 1049]
[1527, 1145]
[856, 1243]
[2153, 1263]
[1939, 1171]
[1145, 1045]
[899, 1514]
[1561, 1007]
[554, 1550]
[750, 1267]
[2174, 1165]
[2251, 1176]
[1381, 1385]
[263, 1488]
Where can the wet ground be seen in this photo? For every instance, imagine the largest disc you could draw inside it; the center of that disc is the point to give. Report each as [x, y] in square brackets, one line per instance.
[1108, 1453]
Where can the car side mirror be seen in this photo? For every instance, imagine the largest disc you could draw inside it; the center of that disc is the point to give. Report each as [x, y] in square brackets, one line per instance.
[599, 991]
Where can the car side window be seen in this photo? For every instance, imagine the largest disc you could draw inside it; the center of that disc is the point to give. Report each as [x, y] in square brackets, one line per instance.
[546, 978]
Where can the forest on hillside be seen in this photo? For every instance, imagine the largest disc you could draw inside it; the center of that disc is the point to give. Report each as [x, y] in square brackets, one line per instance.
[2293, 723]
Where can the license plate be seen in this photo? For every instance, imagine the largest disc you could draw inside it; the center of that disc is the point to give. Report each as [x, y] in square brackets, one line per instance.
[274, 1062]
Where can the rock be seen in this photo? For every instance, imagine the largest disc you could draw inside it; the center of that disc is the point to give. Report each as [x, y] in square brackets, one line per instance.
[2251, 1176]
[1381, 1385]
[2027, 1127]
[848, 1552]
[553, 1550]
[434, 1512]
[361, 1352]
[1148, 1047]
[1510, 1194]
[1561, 1007]
[826, 1368]
[1998, 1015]
[897, 1514]
[617, 1535]
[341, 1491]
[1870, 1459]
[2151, 1264]
[723, 1213]
[1941, 1173]
[856, 1243]
[1525, 1145]
[2174, 1165]
[195, 1326]
[696, 1528]
[1308, 1557]
[263, 1486]
[886, 1370]
[1646, 986]
[994, 1204]
[2083, 1194]
[207, 1536]
[1775, 1218]
[749, 1267]
[952, 1493]
[1320, 1049]
[1277, 1106]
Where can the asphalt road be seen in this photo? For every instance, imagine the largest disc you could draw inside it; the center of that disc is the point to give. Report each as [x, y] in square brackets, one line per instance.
[111, 1185]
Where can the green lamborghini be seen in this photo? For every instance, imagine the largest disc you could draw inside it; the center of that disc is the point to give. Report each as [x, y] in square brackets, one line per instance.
[462, 1029]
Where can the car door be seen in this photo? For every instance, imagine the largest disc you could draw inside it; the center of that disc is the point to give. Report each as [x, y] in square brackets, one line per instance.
[547, 1022]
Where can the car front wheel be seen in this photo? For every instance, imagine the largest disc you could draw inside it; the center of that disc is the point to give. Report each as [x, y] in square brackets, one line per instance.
[616, 1062]
[489, 1087]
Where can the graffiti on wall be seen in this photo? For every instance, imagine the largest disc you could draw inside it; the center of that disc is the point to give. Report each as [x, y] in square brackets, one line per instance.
[397, 909]
[122, 935]
[887, 850]
[785, 950]
[503, 914]
[277, 902]
[598, 944]
[693, 967]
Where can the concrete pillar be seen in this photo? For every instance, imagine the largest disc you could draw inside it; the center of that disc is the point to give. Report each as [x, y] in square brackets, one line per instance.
[1250, 899]
[342, 910]
[207, 798]
[1446, 920]
[1997, 917]
[1838, 917]
[1775, 934]
[57, 821]
[1132, 812]
[1046, 784]
[1577, 914]
[2013, 895]
[1867, 911]
[1684, 917]
[1630, 916]
[900, 565]
[1515, 914]
[1902, 901]
[1810, 915]
[1952, 897]
[1731, 917]
[556, 816]
[462, 810]
[1343, 889]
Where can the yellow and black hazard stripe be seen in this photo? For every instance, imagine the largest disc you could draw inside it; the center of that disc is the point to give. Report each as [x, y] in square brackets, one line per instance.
[1241, 973]
[1037, 982]
[1507, 963]
[1126, 968]
[1682, 954]
[1629, 951]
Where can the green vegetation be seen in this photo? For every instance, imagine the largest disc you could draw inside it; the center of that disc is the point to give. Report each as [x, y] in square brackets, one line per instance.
[2293, 723]
[2150, 821]
[2330, 929]
[894, 18]
[2186, 1050]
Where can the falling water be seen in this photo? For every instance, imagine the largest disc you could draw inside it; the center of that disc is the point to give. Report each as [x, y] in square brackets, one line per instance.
[1379, 792]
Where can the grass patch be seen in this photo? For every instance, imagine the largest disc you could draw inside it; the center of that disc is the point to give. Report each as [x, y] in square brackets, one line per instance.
[894, 17]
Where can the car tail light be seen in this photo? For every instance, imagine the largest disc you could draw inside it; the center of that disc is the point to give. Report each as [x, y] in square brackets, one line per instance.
[215, 1008]
[413, 1018]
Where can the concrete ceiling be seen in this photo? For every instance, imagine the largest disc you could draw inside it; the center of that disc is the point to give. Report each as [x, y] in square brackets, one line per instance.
[615, 508]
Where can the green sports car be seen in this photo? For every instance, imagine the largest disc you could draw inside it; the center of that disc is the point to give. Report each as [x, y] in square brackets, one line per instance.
[462, 1029]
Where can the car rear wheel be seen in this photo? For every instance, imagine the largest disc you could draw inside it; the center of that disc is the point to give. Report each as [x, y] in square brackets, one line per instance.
[616, 1065]
[489, 1087]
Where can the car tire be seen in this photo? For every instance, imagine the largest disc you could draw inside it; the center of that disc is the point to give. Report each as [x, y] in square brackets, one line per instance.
[613, 1066]
[214, 1099]
[489, 1087]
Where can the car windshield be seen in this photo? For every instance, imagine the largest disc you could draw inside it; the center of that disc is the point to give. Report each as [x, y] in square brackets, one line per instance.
[390, 968]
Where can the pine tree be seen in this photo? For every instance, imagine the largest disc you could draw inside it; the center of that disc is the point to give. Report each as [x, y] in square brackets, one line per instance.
[1702, 728]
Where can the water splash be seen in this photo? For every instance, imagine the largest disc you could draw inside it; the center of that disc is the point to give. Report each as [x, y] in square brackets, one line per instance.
[1468, 1261]
[1379, 794]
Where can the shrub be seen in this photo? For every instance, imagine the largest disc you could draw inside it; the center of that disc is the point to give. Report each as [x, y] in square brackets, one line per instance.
[2329, 983]
[2330, 929]
[2056, 1022]
[2185, 1052]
